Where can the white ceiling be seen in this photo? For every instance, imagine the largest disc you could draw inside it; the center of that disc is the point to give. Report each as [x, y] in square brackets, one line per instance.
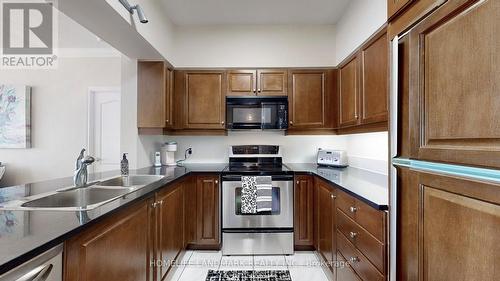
[208, 12]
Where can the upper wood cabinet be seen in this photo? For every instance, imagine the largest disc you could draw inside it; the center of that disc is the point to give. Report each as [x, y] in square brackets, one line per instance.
[201, 96]
[312, 99]
[349, 93]
[304, 211]
[442, 216]
[455, 100]
[242, 82]
[118, 248]
[154, 95]
[395, 6]
[263, 82]
[364, 85]
[272, 82]
[375, 80]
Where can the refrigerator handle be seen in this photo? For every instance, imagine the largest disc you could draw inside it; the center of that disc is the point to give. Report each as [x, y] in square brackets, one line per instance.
[393, 129]
[393, 96]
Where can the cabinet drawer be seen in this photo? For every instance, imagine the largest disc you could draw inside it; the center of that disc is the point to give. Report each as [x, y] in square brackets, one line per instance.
[365, 242]
[344, 271]
[363, 267]
[371, 219]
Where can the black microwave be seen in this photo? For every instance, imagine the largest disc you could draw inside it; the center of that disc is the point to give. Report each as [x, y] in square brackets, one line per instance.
[257, 113]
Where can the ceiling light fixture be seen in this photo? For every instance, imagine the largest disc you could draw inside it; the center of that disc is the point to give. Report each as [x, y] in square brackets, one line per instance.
[130, 8]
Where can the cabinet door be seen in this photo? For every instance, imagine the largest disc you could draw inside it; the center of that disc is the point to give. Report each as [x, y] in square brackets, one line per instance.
[118, 248]
[349, 93]
[325, 221]
[272, 82]
[311, 99]
[170, 224]
[205, 100]
[375, 80]
[448, 228]
[454, 84]
[304, 208]
[242, 83]
[208, 231]
[153, 97]
[169, 113]
[394, 6]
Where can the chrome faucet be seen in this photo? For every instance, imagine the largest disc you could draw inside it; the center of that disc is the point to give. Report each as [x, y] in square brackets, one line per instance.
[81, 174]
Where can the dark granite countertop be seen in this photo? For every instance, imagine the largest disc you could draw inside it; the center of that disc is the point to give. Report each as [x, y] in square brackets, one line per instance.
[25, 234]
[372, 188]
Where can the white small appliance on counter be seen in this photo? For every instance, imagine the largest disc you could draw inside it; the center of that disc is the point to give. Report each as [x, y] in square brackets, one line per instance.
[332, 158]
[168, 153]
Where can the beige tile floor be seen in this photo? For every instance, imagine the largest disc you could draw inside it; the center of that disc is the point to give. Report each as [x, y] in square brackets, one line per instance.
[303, 266]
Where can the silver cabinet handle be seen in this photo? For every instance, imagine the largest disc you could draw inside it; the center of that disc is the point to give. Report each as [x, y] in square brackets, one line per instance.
[353, 234]
[258, 90]
[354, 259]
[353, 209]
[154, 204]
[291, 122]
[216, 182]
[332, 196]
[222, 123]
[161, 202]
[297, 182]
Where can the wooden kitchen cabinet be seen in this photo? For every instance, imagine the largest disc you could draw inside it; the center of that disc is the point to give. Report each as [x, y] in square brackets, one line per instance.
[118, 248]
[272, 82]
[364, 86]
[312, 100]
[208, 210]
[202, 203]
[374, 90]
[242, 82]
[325, 222]
[445, 224]
[169, 226]
[200, 99]
[349, 93]
[304, 212]
[261, 82]
[154, 96]
[454, 103]
[395, 6]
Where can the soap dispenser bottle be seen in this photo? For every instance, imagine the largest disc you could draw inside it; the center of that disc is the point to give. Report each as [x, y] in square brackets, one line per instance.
[124, 165]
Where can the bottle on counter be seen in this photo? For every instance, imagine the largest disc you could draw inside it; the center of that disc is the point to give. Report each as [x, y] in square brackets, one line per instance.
[124, 165]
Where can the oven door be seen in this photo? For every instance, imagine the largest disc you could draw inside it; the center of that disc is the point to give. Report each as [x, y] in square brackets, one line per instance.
[281, 215]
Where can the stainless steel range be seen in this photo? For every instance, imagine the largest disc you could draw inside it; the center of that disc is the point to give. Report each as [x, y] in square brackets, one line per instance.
[263, 233]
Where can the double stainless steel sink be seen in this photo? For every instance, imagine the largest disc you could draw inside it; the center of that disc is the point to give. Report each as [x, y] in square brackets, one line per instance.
[88, 197]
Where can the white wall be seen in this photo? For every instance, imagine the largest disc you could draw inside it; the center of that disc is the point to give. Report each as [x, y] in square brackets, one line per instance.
[360, 20]
[59, 116]
[254, 46]
[214, 149]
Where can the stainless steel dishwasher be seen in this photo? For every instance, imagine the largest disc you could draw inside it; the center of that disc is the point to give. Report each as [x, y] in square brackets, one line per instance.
[45, 267]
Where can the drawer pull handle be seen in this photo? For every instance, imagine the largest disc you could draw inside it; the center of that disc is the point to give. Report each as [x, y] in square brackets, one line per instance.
[353, 234]
[354, 259]
[353, 209]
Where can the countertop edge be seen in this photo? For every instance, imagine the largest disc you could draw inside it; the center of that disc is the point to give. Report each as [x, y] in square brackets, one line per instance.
[11, 264]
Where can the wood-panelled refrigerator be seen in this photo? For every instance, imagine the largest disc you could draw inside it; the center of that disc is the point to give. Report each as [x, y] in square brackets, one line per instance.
[445, 145]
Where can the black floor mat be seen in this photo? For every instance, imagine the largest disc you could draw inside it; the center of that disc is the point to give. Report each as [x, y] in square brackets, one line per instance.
[249, 275]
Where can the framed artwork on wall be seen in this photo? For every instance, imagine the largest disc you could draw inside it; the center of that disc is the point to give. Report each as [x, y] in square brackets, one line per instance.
[15, 116]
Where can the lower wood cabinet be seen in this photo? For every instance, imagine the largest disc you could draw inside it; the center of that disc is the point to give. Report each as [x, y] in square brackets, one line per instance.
[325, 222]
[120, 248]
[143, 240]
[304, 212]
[447, 228]
[169, 214]
[344, 229]
[202, 203]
